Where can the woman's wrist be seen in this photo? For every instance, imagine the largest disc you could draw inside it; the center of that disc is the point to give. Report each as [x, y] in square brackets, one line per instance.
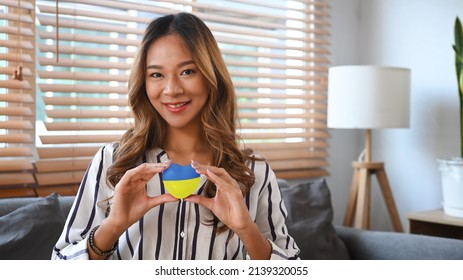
[102, 240]
[257, 246]
[95, 249]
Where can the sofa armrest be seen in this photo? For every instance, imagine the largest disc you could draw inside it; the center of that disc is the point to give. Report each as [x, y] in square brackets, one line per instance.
[377, 245]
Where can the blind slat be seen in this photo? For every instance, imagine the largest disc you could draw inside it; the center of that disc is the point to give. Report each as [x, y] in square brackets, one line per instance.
[64, 126]
[24, 4]
[82, 88]
[290, 155]
[83, 63]
[80, 24]
[25, 58]
[262, 105]
[16, 138]
[16, 98]
[305, 173]
[75, 139]
[86, 51]
[67, 101]
[16, 152]
[25, 45]
[275, 96]
[58, 178]
[62, 165]
[279, 125]
[26, 72]
[63, 190]
[16, 111]
[85, 76]
[277, 85]
[20, 178]
[66, 152]
[14, 84]
[17, 192]
[286, 135]
[15, 165]
[87, 114]
[280, 65]
[14, 124]
[281, 146]
[295, 164]
[14, 30]
[271, 115]
[88, 38]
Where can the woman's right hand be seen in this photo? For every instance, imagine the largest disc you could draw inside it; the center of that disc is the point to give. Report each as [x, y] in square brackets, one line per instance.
[129, 204]
[130, 201]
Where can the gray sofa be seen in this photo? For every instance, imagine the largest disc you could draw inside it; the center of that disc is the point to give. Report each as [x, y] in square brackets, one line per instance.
[29, 228]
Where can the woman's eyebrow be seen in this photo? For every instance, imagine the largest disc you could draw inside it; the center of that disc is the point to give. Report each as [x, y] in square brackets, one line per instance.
[181, 64]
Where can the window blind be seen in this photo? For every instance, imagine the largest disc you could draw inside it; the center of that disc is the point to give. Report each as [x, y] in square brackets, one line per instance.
[277, 54]
[17, 97]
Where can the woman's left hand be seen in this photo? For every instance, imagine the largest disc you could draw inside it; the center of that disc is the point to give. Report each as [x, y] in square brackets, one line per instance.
[228, 203]
[229, 207]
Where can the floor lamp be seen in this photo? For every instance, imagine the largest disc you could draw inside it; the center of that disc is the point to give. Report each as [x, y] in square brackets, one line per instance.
[368, 97]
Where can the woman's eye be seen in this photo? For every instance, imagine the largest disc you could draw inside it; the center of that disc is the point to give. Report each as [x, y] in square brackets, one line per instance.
[156, 75]
[187, 72]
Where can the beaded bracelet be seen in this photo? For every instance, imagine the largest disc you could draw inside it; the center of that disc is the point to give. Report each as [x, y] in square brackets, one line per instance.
[97, 251]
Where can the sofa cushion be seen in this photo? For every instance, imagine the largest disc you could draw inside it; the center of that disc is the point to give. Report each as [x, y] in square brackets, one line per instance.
[30, 232]
[309, 221]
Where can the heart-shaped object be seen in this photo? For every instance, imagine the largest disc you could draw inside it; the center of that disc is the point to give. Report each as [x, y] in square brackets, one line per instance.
[180, 180]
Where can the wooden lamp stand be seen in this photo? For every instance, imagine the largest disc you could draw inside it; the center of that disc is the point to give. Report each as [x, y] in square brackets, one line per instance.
[360, 192]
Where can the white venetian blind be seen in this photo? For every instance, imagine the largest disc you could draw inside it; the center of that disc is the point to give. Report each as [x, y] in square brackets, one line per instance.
[17, 97]
[277, 53]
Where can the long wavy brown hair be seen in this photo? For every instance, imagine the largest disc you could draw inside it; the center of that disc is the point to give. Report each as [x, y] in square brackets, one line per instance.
[219, 116]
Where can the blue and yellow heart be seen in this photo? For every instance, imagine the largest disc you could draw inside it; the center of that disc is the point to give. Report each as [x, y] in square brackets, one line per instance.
[180, 180]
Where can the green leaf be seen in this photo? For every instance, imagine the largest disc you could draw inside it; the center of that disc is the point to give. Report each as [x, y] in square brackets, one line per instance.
[458, 34]
[458, 47]
[460, 86]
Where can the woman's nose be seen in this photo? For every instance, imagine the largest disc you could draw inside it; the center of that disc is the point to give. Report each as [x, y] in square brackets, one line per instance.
[173, 86]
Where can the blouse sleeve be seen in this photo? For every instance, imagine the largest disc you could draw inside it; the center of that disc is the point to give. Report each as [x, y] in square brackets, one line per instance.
[88, 210]
[271, 214]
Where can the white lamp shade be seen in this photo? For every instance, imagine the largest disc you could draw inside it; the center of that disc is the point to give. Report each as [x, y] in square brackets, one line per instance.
[365, 97]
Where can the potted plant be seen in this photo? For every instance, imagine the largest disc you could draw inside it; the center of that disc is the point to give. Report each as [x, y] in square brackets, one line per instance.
[452, 169]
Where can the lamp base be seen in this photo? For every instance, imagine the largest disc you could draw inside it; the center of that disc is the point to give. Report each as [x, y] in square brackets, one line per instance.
[360, 194]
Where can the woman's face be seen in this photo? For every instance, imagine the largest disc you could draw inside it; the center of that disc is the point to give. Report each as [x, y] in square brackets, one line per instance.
[175, 86]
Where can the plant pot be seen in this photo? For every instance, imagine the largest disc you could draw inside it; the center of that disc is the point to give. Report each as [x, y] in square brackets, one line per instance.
[452, 186]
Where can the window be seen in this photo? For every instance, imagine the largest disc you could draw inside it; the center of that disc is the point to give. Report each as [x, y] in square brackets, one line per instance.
[17, 96]
[277, 54]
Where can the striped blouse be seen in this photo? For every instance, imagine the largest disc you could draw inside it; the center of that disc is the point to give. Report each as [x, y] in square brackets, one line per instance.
[175, 230]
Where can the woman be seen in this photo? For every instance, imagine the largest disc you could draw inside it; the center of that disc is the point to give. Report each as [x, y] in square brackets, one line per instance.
[184, 107]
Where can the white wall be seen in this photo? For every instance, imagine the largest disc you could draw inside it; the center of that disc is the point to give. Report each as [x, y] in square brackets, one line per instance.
[416, 34]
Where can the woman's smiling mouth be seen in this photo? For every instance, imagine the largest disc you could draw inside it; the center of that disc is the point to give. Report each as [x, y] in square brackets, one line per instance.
[176, 107]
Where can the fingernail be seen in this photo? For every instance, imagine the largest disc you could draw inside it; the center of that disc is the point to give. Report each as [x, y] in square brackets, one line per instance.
[194, 163]
[165, 164]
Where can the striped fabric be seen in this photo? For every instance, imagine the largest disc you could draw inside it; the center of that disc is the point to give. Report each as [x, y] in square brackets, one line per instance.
[174, 230]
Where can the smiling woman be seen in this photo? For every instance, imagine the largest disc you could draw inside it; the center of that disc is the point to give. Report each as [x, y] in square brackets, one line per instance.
[277, 56]
[184, 108]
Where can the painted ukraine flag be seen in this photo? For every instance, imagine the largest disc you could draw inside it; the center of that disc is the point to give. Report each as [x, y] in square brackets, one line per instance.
[180, 180]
